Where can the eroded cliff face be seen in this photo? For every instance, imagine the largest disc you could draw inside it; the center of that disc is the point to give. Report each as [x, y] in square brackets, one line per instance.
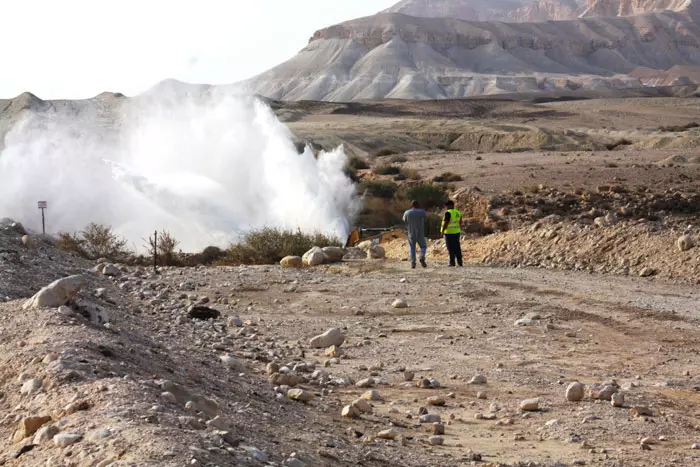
[524, 11]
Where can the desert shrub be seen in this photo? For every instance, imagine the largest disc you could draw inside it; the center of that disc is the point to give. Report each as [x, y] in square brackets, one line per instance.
[411, 174]
[448, 177]
[383, 152]
[165, 247]
[96, 241]
[378, 188]
[428, 195]
[381, 213]
[71, 242]
[101, 242]
[211, 254]
[679, 128]
[269, 246]
[357, 163]
[400, 177]
[387, 170]
[398, 159]
[617, 144]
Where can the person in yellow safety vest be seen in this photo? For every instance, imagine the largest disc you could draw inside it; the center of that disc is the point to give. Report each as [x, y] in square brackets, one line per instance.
[452, 230]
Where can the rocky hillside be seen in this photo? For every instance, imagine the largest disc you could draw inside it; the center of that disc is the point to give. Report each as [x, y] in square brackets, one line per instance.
[522, 11]
[404, 57]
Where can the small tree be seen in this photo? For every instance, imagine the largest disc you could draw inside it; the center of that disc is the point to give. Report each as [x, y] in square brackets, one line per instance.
[429, 196]
[165, 247]
[100, 242]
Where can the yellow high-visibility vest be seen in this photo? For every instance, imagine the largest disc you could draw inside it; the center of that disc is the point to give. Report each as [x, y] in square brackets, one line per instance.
[453, 226]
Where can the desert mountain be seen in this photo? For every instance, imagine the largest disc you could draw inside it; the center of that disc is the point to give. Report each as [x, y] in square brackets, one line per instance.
[393, 55]
[521, 11]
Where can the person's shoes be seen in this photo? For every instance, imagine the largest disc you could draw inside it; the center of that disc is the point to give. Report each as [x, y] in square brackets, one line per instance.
[413, 265]
[461, 265]
[423, 263]
[452, 265]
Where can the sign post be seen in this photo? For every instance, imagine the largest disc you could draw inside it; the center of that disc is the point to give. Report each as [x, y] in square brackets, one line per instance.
[43, 205]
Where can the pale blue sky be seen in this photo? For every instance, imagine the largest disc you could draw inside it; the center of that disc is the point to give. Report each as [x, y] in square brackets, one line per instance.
[79, 48]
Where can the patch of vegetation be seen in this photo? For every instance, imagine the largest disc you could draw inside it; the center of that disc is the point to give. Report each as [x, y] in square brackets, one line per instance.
[679, 128]
[398, 159]
[617, 144]
[383, 152]
[164, 246]
[428, 195]
[380, 213]
[357, 163]
[378, 188]
[387, 170]
[96, 241]
[269, 246]
[448, 177]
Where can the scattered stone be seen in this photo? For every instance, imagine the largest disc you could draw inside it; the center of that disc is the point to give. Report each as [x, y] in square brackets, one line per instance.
[436, 440]
[641, 411]
[333, 336]
[602, 392]
[575, 392]
[436, 401]
[430, 418]
[28, 241]
[272, 368]
[478, 379]
[334, 254]
[234, 322]
[45, 433]
[408, 375]
[695, 446]
[28, 426]
[350, 412]
[203, 313]
[481, 395]
[333, 351]
[526, 322]
[617, 400]
[376, 252]
[77, 406]
[110, 270]
[300, 395]
[391, 433]
[648, 440]
[30, 387]
[371, 396]
[647, 272]
[438, 429]
[314, 257]
[55, 294]
[530, 405]
[399, 303]
[365, 383]
[291, 262]
[362, 405]
[66, 439]
[684, 243]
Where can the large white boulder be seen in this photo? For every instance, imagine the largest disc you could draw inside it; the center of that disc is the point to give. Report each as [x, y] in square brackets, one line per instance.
[314, 257]
[333, 336]
[334, 253]
[55, 294]
[291, 262]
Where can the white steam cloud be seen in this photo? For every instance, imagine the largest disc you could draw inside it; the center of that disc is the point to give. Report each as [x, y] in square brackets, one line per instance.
[206, 168]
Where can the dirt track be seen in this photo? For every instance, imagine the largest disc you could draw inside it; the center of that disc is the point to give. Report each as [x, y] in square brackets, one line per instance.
[642, 333]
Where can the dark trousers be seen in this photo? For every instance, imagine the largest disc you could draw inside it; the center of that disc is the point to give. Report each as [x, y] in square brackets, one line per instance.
[454, 248]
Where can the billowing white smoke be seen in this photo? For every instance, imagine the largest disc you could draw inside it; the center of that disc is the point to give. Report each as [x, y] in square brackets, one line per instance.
[207, 169]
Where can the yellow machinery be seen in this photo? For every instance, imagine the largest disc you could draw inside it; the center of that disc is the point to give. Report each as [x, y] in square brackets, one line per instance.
[377, 236]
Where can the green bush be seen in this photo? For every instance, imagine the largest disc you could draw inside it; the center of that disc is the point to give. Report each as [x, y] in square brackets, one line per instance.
[387, 170]
[429, 196]
[357, 163]
[447, 177]
[96, 241]
[398, 159]
[378, 188]
[269, 246]
[385, 152]
[381, 213]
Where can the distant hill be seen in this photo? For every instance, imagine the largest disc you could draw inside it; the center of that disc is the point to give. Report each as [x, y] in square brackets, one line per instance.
[392, 55]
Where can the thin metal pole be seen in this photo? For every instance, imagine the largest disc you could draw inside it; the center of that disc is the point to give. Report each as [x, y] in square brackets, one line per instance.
[155, 252]
[43, 222]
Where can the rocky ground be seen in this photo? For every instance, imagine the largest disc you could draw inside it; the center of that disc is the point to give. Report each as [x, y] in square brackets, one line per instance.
[128, 372]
